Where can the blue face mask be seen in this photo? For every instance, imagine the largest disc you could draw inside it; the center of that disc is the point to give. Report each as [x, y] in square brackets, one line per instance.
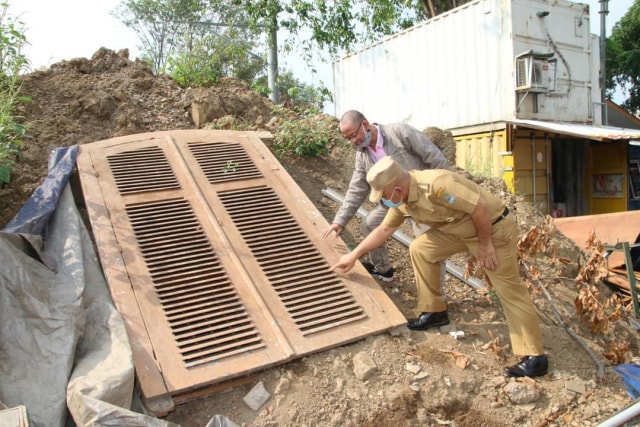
[390, 203]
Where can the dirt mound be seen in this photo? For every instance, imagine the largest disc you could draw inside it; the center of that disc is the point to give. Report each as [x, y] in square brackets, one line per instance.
[86, 100]
[415, 378]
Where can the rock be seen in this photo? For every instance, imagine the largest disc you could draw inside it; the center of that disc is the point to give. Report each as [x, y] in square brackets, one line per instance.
[257, 396]
[498, 381]
[363, 366]
[576, 385]
[521, 393]
[413, 367]
[421, 375]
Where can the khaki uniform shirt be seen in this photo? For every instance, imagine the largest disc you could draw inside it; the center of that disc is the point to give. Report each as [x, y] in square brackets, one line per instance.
[443, 200]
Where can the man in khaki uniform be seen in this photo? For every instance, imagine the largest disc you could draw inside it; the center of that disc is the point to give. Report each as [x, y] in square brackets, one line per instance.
[372, 141]
[462, 216]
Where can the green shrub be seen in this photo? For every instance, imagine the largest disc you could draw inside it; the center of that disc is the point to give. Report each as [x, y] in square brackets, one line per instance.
[12, 62]
[305, 132]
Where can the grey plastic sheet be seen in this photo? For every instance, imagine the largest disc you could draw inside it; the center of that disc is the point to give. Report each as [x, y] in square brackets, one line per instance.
[64, 352]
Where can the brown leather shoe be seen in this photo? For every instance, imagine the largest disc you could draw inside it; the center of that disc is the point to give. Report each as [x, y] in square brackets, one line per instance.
[428, 320]
[529, 366]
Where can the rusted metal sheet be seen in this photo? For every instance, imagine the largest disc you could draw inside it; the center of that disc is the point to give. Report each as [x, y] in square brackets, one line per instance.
[214, 258]
[609, 228]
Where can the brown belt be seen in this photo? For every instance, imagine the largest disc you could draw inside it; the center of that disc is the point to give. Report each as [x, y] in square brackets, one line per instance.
[505, 212]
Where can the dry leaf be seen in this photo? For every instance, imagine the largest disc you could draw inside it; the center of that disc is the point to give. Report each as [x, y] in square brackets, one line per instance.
[461, 360]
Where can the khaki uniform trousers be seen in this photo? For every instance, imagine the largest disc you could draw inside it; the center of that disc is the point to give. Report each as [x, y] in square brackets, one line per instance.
[434, 246]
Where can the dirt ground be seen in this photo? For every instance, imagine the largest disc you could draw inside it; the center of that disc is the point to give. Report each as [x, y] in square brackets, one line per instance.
[401, 378]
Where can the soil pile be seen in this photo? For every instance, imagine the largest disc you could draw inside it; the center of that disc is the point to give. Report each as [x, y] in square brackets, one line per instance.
[451, 376]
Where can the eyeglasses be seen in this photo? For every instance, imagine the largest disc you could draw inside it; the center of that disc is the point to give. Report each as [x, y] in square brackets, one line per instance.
[354, 134]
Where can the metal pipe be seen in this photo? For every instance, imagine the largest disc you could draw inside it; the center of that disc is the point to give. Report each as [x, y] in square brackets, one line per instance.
[272, 70]
[533, 167]
[604, 10]
[403, 238]
[623, 415]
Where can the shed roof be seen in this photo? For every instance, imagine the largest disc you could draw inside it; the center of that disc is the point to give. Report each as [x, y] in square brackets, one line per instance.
[597, 133]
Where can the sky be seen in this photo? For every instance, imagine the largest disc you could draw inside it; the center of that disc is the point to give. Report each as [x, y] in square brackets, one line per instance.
[66, 29]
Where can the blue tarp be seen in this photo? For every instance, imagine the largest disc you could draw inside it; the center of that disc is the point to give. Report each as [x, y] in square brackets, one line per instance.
[35, 214]
[630, 374]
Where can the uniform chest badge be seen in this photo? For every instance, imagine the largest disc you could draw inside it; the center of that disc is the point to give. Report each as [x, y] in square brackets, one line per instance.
[445, 197]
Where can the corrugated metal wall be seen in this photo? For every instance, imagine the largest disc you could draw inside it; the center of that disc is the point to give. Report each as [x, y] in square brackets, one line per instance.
[525, 166]
[445, 72]
[532, 167]
[484, 154]
[457, 69]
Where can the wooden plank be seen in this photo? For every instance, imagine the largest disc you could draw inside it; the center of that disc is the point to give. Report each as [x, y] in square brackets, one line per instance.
[609, 228]
[621, 282]
[147, 369]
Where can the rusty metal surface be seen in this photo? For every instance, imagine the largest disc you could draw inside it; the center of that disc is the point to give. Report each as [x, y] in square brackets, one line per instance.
[214, 259]
[609, 228]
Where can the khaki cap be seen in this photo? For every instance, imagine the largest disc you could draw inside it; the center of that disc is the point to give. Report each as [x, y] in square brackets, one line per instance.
[384, 172]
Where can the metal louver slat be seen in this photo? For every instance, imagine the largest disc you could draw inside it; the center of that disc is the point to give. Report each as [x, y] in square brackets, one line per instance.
[213, 258]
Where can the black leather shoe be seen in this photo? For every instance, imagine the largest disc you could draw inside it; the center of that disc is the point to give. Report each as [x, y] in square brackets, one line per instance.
[428, 320]
[529, 366]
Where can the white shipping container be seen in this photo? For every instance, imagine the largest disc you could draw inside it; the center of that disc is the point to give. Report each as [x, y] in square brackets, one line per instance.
[460, 68]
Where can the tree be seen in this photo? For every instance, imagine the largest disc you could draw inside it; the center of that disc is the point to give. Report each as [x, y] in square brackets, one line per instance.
[338, 25]
[186, 33]
[12, 63]
[214, 56]
[623, 58]
[333, 26]
[295, 92]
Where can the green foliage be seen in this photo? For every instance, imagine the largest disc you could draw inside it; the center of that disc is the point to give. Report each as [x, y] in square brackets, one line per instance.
[214, 56]
[12, 61]
[295, 92]
[301, 93]
[200, 41]
[334, 26]
[304, 131]
[623, 57]
[161, 26]
[230, 123]
[493, 296]
[230, 167]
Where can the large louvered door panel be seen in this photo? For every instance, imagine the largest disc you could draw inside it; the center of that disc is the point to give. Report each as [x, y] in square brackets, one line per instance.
[214, 258]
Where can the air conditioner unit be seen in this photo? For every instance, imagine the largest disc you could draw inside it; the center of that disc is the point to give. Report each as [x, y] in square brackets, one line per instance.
[532, 74]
